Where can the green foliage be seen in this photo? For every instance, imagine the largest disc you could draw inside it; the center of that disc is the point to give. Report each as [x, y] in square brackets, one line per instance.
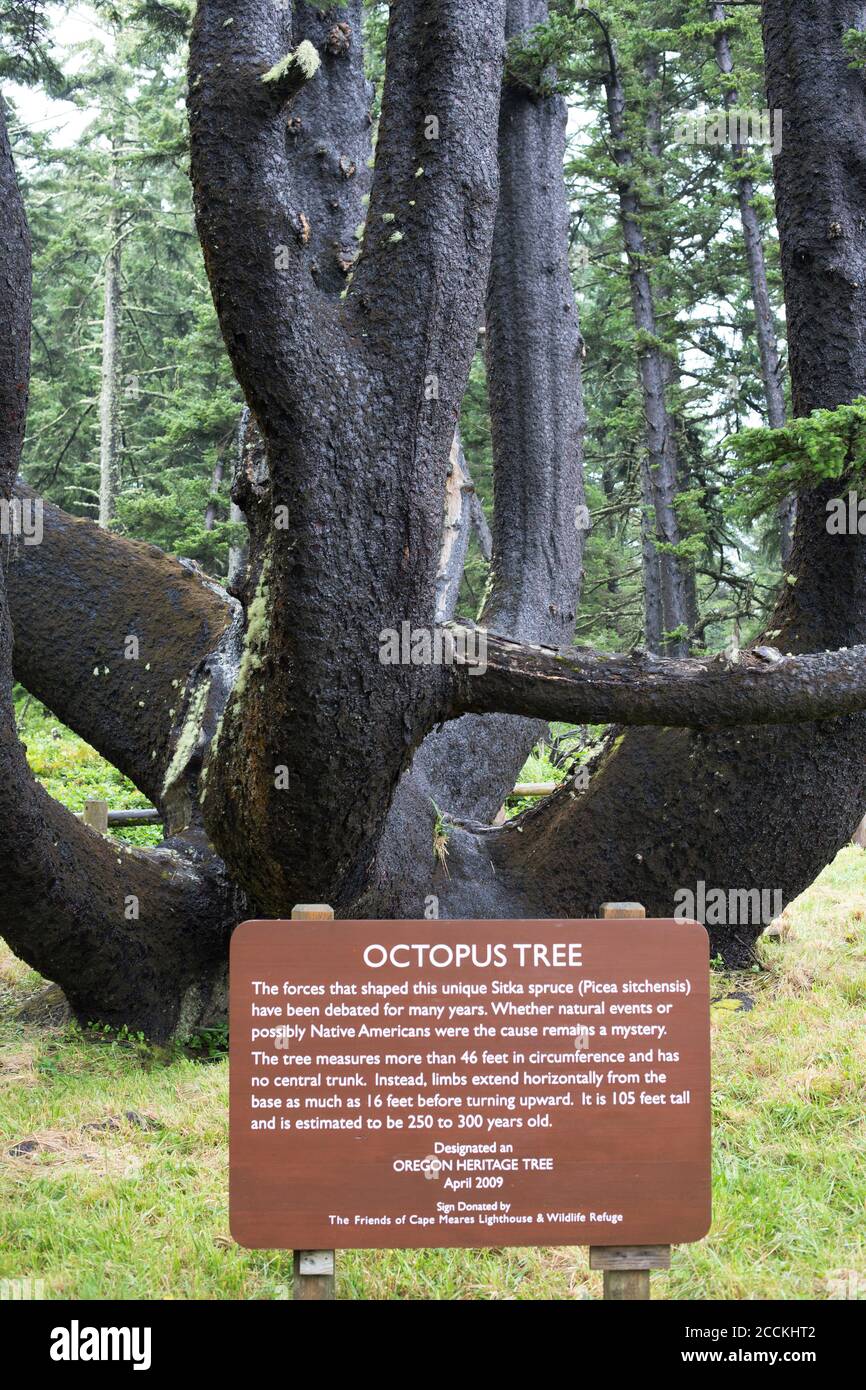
[25, 45]
[540, 59]
[822, 447]
[854, 44]
[179, 403]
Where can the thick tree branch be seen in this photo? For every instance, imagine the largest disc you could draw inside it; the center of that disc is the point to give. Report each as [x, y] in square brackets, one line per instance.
[533, 351]
[587, 687]
[252, 227]
[329, 140]
[358, 420]
[109, 634]
[434, 191]
[111, 925]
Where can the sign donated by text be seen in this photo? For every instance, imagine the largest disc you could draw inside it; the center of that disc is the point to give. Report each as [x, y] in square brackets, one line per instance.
[402, 1084]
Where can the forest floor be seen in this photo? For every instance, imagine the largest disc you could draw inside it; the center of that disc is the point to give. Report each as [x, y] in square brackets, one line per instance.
[113, 1159]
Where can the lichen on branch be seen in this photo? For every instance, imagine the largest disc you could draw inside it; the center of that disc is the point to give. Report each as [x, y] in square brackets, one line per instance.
[291, 73]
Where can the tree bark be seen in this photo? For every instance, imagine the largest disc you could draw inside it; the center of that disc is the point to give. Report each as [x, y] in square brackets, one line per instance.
[126, 645]
[328, 135]
[210, 514]
[357, 445]
[298, 749]
[537, 416]
[132, 937]
[585, 687]
[459, 492]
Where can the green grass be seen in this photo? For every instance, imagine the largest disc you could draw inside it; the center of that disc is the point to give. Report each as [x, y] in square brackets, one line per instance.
[73, 772]
[132, 1212]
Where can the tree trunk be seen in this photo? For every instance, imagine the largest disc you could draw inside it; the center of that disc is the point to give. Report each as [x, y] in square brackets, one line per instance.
[661, 464]
[109, 394]
[313, 740]
[210, 514]
[765, 324]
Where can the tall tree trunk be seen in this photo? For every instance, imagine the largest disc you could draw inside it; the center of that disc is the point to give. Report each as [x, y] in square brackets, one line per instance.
[537, 419]
[109, 394]
[661, 442]
[765, 324]
[670, 366]
[653, 607]
[289, 797]
[210, 514]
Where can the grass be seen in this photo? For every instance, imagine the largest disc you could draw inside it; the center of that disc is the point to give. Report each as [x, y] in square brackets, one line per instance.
[73, 772]
[124, 1193]
[113, 1163]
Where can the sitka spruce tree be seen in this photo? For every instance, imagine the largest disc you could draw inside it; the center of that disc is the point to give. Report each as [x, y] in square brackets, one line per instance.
[299, 737]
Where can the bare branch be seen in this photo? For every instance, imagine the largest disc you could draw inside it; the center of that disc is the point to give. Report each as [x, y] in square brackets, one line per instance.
[580, 686]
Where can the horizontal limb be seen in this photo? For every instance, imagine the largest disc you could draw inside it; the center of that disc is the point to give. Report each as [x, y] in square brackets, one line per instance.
[579, 686]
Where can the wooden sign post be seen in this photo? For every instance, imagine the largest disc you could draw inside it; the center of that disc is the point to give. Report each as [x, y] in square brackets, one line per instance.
[314, 1271]
[423, 1084]
[627, 1267]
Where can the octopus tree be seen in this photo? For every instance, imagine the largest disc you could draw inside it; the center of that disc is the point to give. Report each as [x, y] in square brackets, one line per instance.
[290, 762]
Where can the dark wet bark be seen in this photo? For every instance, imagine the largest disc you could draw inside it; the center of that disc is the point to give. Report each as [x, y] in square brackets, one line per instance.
[132, 937]
[314, 738]
[71, 651]
[536, 404]
[309, 792]
[585, 687]
[328, 134]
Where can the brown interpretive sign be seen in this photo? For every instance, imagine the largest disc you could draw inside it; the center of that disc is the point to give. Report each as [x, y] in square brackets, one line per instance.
[409, 1084]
